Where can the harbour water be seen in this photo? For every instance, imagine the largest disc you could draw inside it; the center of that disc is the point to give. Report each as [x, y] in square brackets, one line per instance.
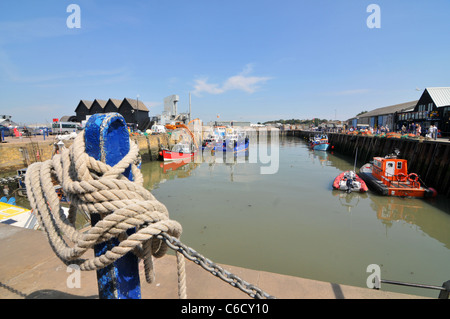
[292, 222]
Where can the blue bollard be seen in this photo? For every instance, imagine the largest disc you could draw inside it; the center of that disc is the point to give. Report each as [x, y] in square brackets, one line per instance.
[107, 139]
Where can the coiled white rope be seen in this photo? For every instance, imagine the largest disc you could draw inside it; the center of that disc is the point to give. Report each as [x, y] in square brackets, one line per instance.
[95, 187]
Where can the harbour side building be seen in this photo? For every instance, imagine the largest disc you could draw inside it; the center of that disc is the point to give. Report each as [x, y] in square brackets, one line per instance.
[433, 108]
[135, 112]
[82, 110]
[383, 116]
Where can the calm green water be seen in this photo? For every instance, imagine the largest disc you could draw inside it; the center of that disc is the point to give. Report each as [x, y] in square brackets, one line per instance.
[292, 222]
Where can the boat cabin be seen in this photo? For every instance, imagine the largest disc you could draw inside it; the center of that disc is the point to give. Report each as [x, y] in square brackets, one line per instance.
[389, 169]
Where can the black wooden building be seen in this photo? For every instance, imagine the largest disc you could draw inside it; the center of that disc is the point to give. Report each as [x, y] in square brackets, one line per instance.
[82, 110]
[98, 106]
[433, 108]
[135, 112]
[112, 106]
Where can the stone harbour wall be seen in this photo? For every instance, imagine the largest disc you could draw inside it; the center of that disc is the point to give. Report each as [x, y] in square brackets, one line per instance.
[17, 154]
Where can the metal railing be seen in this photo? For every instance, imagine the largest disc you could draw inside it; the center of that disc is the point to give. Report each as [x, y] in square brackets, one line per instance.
[444, 289]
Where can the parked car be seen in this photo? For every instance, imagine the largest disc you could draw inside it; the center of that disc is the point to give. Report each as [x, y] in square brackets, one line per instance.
[158, 128]
[26, 132]
[5, 130]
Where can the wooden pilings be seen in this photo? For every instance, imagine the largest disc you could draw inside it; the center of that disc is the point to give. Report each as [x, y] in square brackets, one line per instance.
[428, 158]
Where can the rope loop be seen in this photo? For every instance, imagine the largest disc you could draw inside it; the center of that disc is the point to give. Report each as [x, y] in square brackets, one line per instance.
[97, 188]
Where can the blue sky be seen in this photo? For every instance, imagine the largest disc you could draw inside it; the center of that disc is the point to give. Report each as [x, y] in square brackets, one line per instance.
[245, 60]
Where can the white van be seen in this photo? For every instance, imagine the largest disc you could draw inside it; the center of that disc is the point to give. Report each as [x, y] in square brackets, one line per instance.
[65, 127]
[158, 128]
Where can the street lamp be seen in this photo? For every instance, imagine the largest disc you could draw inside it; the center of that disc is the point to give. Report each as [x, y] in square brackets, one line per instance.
[135, 111]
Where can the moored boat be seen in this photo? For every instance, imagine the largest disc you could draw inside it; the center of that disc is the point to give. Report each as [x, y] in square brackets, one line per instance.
[349, 181]
[231, 141]
[178, 152]
[319, 142]
[389, 176]
[236, 146]
[213, 142]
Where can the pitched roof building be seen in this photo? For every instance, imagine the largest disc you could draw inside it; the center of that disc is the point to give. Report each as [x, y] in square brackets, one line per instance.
[433, 98]
[135, 112]
[433, 108]
[383, 116]
[98, 106]
[112, 105]
[83, 109]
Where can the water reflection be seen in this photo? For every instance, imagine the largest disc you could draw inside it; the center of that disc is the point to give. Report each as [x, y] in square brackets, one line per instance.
[417, 213]
[319, 156]
[159, 172]
[348, 200]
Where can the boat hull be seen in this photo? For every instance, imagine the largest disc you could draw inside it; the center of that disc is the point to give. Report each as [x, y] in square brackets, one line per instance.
[227, 147]
[176, 156]
[397, 188]
[358, 184]
[320, 146]
[238, 147]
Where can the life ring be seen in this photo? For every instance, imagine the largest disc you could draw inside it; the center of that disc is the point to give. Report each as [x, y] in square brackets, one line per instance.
[413, 177]
[401, 177]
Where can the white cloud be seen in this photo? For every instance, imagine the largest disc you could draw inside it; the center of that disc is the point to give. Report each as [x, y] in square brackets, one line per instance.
[202, 86]
[240, 82]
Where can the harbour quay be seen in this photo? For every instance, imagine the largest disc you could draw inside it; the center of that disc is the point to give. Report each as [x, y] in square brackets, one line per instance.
[430, 159]
[17, 153]
[31, 270]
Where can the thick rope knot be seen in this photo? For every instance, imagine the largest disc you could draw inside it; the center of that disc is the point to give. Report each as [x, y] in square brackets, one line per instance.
[97, 188]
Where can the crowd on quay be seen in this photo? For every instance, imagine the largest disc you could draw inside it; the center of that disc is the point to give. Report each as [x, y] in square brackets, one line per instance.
[414, 129]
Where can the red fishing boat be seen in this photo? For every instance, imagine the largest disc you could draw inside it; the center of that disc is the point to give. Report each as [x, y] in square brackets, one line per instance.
[178, 152]
[389, 176]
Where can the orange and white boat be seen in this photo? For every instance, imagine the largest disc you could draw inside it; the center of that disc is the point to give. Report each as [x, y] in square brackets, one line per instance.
[389, 176]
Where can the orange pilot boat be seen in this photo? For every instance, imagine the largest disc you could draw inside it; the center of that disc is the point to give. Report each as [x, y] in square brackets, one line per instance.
[389, 176]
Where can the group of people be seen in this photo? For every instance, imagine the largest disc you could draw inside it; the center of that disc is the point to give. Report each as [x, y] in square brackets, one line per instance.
[378, 130]
[433, 131]
[413, 128]
[416, 129]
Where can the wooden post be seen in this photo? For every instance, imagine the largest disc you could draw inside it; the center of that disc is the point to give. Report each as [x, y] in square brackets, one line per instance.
[107, 139]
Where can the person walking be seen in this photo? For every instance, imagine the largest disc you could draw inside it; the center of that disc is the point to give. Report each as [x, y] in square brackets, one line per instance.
[434, 132]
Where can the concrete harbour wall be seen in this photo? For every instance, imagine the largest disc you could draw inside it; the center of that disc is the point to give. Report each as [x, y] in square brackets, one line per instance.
[17, 154]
